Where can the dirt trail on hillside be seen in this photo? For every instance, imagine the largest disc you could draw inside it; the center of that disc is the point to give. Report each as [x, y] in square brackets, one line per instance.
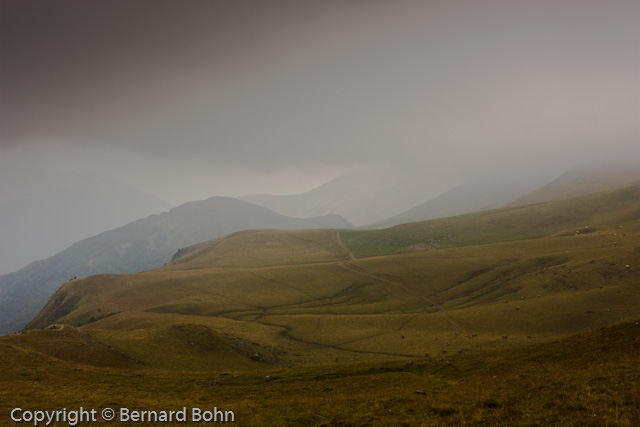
[359, 270]
[344, 246]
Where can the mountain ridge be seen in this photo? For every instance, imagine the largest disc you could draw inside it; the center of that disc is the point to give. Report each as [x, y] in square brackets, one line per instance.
[361, 196]
[302, 292]
[504, 309]
[471, 196]
[527, 187]
[586, 177]
[139, 245]
[44, 212]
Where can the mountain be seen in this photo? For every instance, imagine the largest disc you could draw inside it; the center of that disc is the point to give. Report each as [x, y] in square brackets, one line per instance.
[471, 196]
[587, 177]
[43, 212]
[140, 245]
[361, 196]
[577, 216]
[310, 297]
[511, 318]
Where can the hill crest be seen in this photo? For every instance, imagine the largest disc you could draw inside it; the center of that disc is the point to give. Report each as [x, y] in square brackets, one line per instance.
[303, 298]
[143, 244]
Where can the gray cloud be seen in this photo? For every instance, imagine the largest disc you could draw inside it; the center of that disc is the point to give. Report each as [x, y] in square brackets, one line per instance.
[296, 91]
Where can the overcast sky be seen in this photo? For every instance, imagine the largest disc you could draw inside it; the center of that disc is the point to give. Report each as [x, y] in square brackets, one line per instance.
[190, 99]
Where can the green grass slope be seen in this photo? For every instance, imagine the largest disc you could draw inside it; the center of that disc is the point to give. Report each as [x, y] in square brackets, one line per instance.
[609, 208]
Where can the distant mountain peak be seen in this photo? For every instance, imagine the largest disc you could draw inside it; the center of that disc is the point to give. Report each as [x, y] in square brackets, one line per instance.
[587, 177]
[362, 195]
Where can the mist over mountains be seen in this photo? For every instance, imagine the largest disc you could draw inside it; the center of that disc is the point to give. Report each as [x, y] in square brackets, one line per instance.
[440, 286]
[140, 245]
[384, 197]
[475, 195]
[43, 211]
[417, 205]
[362, 196]
[587, 177]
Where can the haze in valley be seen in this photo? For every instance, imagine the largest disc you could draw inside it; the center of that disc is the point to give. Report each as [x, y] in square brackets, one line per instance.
[184, 100]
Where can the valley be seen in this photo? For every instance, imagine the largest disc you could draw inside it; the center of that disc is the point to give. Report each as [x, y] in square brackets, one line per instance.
[319, 213]
[438, 306]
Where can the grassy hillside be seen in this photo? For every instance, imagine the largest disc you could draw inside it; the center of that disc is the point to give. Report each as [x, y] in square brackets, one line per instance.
[300, 298]
[585, 214]
[307, 328]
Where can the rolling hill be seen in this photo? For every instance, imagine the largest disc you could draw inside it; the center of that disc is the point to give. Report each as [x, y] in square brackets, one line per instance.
[323, 296]
[585, 214]
[140, 245]
[516, 316]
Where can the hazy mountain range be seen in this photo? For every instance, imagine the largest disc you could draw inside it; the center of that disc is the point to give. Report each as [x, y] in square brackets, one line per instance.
[499, 191]
[43, 212]
[150, 242]
[471, 196]
[140, 245]
[362, 196]
[587, 177]
[305, 297]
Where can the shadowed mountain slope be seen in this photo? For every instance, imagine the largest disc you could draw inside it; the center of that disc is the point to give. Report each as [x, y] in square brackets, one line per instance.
[44, 212]
[141, 245]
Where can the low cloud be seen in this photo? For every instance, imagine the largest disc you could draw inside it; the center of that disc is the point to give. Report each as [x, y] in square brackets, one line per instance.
[223, 99]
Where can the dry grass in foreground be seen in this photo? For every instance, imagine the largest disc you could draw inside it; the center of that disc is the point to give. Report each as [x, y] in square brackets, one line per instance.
[592, 379]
